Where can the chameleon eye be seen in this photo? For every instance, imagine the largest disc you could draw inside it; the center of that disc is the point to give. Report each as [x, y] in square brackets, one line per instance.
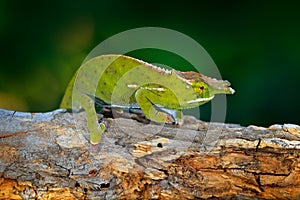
[201, 87]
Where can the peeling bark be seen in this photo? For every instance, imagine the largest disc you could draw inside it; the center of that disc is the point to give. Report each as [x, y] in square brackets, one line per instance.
[47, 156]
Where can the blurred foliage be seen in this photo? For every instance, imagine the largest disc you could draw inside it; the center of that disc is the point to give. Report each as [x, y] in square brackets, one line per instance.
[255, 45]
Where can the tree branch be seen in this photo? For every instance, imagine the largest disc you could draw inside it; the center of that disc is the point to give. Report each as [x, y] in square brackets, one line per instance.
[47, 155]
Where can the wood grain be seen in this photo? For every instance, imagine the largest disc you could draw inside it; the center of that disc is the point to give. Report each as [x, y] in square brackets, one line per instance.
[47, 156]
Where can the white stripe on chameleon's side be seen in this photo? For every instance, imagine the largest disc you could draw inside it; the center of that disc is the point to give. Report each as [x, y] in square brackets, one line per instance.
[156, 89]
[160, 89]
[132, 85]
[201, 100]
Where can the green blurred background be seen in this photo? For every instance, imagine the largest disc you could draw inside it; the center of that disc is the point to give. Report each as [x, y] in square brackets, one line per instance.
[255, 45]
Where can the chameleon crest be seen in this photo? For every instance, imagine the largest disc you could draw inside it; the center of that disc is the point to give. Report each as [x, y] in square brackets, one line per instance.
[120, 81]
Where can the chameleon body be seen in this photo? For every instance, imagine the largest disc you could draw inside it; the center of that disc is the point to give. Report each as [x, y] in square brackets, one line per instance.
[125, 82]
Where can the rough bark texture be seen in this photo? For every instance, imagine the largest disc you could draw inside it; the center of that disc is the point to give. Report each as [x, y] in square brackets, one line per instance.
[47, 156]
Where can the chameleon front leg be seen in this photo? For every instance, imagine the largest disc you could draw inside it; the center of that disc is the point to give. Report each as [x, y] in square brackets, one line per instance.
[96, 130]
[156, 112]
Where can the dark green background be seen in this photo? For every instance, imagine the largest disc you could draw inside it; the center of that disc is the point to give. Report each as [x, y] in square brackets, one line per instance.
[255, 45]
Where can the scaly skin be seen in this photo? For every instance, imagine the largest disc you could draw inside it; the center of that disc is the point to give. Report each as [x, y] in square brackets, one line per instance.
[121, 81]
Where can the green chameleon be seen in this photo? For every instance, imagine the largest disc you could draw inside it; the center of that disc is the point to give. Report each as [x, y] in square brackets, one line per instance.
[124, 82]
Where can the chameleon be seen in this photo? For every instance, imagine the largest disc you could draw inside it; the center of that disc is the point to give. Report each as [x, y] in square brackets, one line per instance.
[120, 81]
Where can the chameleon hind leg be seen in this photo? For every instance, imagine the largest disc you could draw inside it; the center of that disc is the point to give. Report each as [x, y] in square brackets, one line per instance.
[154, 111]
[96, 130]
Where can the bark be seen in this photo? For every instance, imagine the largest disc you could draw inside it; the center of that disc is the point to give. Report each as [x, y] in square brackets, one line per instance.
[47, 156]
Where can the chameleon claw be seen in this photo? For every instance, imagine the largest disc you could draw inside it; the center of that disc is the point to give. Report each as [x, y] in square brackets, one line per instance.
[170, 119]
[94, 147]
[95, 137]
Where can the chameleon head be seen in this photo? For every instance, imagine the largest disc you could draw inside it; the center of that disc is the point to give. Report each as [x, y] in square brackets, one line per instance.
[204, 86]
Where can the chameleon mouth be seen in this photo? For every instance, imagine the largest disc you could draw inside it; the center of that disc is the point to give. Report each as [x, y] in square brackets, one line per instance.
[230, 91]
[201, 100]
[218, 86]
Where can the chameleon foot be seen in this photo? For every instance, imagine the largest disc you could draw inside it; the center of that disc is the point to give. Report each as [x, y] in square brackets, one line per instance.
[95, 136]
[94, 148]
